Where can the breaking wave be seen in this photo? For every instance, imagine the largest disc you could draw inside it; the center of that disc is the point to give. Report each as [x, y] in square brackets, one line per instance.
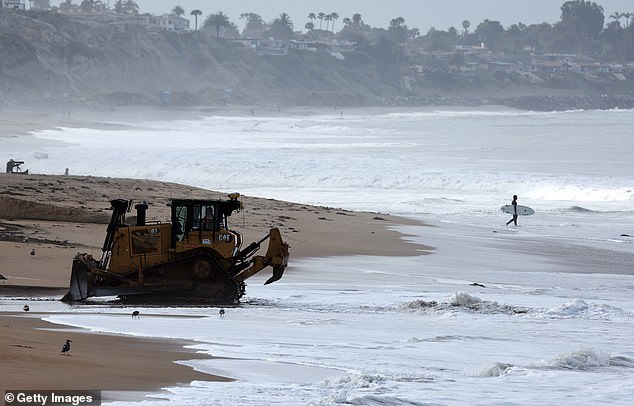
[575, 308]
[583, 360]
[580, 360]
[374, 400]
[370, 389]
[579, 209]
[462, 301]
[578, 308]
[493, 370]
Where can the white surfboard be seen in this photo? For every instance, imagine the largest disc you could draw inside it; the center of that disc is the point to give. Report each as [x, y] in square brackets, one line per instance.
[521, 210]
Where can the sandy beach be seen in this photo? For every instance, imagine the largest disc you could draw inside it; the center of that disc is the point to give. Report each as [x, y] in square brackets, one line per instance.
[32, 359]
[57, 216]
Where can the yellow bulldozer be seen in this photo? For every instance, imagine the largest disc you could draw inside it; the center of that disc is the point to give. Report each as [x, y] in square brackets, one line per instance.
[195, 258]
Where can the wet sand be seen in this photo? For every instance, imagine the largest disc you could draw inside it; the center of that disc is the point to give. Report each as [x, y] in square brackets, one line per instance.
[32, 359]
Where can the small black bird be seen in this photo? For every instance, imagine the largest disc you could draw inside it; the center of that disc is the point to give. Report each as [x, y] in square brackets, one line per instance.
[222, 312]
[135, 314]
[33, 252]
[26, 308]
[66, 347]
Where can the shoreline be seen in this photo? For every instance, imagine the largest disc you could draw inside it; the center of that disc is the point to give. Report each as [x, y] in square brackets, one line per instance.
[60, 215]
[18, 121]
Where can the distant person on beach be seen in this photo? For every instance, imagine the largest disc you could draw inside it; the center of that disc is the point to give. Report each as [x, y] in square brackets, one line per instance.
[514, 219]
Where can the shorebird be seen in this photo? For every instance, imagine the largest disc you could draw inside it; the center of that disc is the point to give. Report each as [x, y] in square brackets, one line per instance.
[26, 308]
[135, 314]
[33, 252]
[2, 278]
[66, 347]
[222, 312]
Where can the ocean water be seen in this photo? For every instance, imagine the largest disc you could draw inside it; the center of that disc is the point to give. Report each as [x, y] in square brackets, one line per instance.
[550, 320]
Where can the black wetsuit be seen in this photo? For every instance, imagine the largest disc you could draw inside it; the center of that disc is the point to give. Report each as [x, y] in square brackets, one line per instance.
[514, 219]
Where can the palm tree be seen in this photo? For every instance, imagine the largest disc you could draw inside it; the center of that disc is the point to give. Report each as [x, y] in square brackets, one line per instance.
[66, 5]
[616, 16]
[196, 13]
[178, 11]
[334, 17]
[87, 5]
[397, 22]
[356, 19]
[398, 30]
[118, 7]
[465, 27]
[218, 21]
[627, 18]
[321, 17]
[285, 19]
[282, 27]
[312, 17]
[328, 18]
[254, 27]
[131, 7]
[347, 21]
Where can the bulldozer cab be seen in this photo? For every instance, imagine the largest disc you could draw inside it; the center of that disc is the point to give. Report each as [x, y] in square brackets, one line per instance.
[197, 223]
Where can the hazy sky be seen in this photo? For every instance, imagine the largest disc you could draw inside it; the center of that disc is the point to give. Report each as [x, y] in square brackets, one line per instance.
[421, 14]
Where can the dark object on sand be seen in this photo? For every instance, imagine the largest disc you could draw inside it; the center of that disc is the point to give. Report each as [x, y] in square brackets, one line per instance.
[194, 258]
[14, 167]
[478, 284]
[33, 252]
[66, 347]
[26, 308]
[2, 278]
[135, 314]
[222, 312]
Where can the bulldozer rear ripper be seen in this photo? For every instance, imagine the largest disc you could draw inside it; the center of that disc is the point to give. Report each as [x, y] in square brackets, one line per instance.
[196, 258]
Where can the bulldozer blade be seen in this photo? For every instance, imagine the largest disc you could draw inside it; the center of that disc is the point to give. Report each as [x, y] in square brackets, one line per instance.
[78, 283]
[278, 272]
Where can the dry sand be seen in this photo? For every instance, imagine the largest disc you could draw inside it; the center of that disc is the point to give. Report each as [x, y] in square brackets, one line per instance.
[58, 216]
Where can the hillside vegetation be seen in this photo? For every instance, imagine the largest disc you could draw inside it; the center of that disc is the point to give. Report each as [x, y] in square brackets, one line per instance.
[48, 59]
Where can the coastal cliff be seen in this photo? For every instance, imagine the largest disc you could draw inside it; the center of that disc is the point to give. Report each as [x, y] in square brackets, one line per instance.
[52, 60]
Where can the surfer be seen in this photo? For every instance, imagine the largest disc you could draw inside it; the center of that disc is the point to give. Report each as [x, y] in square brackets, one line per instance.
[514, 219]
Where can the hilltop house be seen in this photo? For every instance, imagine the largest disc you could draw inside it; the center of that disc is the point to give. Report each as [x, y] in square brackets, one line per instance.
[16, 4]
[147, 21]
[168, 22]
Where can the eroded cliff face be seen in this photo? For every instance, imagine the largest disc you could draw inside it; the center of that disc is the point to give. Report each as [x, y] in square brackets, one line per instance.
[50, 58]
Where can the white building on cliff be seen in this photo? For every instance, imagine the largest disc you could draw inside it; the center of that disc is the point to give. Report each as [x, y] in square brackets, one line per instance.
[15, 4]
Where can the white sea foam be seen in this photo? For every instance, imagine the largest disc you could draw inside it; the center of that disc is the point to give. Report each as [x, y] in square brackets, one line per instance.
[578, 308]
[494, 370]
[579, 360]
